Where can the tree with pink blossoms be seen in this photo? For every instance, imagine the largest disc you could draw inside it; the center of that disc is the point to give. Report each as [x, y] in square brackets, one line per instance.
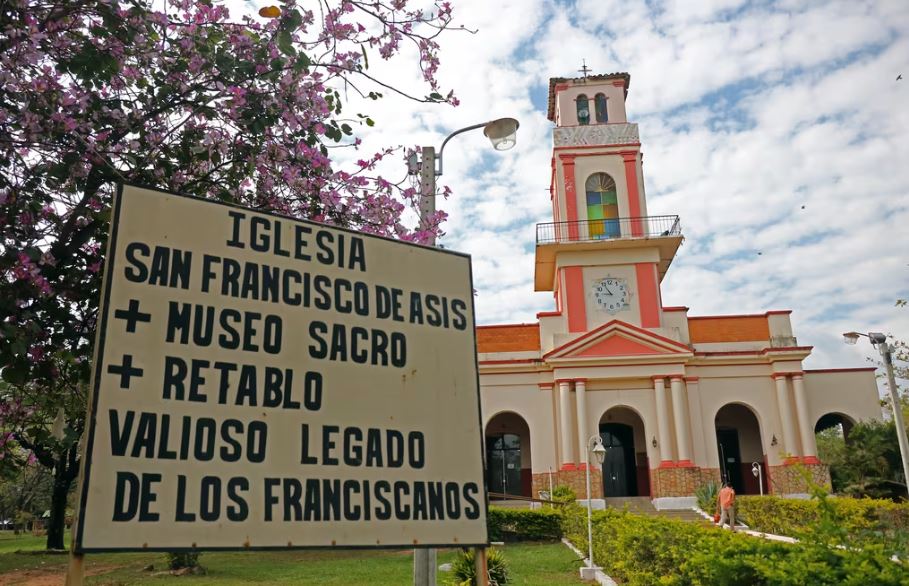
[188, 99]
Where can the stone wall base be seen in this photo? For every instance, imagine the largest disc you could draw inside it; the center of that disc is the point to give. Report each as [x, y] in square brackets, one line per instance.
[789, 479]
[793, 479]
[675, 481]
[576, 479]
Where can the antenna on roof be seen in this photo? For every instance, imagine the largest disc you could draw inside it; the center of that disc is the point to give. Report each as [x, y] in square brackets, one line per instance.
[584, 69]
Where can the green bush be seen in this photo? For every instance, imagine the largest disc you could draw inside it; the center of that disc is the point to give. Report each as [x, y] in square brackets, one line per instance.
[563, 494]
[523, 525]
[639, 550]
[862, 520]
[706, 495]
[464, 568]
[180, 560]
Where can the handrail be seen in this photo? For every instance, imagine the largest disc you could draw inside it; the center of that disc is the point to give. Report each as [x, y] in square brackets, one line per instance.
[520, 497]
[608, 229]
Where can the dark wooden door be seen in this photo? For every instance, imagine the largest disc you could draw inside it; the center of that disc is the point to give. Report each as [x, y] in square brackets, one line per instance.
[730, 458]
[618, 466]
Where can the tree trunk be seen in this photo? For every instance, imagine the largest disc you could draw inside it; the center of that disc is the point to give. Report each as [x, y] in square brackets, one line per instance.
[65, 472]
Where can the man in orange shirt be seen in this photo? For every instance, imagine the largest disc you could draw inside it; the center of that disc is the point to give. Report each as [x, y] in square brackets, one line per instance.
[726, 505]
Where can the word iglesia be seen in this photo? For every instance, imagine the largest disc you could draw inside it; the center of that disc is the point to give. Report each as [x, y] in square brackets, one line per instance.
[253, 367]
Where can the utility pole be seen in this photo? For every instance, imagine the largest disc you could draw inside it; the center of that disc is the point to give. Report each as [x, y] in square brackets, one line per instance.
[879, 341]
[425, 560]
[887, 354]
[502, 135]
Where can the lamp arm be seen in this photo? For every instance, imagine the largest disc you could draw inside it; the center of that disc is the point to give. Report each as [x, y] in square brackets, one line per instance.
[449, 137]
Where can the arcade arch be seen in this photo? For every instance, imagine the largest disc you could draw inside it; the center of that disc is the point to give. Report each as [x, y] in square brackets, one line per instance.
[508, 461]
[838, 421]
[739, 446]
[626, 470]
[831, 436]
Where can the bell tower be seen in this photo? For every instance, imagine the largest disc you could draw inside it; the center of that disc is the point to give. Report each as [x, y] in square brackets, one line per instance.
[603, 256]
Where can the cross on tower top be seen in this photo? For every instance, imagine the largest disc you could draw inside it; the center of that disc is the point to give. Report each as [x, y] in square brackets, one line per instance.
[584, 69]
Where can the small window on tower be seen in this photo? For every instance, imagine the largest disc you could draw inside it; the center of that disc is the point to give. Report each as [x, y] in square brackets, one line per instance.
[583, 110]
[600, 104]
[602, 207]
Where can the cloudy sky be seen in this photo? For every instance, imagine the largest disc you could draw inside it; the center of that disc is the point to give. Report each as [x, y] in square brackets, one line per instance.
[777, 131]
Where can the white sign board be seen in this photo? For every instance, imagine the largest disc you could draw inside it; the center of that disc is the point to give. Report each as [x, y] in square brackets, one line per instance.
[263, 382]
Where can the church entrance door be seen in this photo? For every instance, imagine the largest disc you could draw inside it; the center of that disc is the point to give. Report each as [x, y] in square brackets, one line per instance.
[739, 447]
[618, 466]
[503, 459]
[730, 458]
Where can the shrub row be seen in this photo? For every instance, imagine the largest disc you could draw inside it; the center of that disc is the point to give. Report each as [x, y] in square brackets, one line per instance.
[639, 550]
[860, 519]
[524, 525]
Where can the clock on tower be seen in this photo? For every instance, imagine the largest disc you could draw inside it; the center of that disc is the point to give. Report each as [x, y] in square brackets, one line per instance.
[611, 294]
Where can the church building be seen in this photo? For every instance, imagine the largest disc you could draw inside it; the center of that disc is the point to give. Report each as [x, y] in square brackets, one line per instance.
[678, 400]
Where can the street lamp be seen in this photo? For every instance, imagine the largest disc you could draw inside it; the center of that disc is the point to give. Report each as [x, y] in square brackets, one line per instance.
[502, 133]
[879, 341]
[595, 445]
[756, 470]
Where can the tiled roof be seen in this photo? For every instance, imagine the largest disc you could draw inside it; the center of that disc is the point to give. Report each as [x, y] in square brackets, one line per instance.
[508, 338]
[553, 81]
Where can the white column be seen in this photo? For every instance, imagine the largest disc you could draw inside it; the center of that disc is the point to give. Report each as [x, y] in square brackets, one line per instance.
[809, 446]
[782, 399]
[662, 409]
[580, 397]
[696, 418]
[680, 416]
[565, 422]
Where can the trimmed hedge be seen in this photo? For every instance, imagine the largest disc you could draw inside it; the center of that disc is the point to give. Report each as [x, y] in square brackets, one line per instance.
[861, 519]
[643, 550]
[524, 525]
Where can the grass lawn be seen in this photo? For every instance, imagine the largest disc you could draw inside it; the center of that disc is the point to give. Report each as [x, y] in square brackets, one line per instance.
[531, 565]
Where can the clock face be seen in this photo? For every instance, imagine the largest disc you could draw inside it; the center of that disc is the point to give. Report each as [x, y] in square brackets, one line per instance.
[611, 294]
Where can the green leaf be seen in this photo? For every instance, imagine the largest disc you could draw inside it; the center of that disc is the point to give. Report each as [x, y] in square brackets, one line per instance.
[292, 21]
[370, 122]
[285, 43]
[365, 57]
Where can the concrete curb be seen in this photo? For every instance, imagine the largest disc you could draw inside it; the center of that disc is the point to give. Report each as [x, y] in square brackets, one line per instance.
[599, 575]
[747, 531]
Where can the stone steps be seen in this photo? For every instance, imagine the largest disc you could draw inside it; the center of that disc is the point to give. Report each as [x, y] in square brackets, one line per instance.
[642, 505]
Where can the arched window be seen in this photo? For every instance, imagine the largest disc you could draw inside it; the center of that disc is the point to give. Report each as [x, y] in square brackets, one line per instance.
[583, 105]
[600, 105]
[602, 206]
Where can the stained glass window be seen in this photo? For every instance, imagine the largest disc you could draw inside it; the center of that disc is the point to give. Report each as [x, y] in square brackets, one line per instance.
[602, 206]
[583, 105]
[599, 103]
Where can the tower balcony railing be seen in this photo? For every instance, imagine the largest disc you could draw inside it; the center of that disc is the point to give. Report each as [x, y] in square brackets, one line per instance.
[608, 229]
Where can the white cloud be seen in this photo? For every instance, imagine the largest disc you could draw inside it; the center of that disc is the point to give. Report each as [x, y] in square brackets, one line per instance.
[747, 112]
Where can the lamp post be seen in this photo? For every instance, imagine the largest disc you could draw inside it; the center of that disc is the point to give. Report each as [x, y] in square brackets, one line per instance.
[756, 470]
[879, 341]
[595, 445]
[502, 133]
